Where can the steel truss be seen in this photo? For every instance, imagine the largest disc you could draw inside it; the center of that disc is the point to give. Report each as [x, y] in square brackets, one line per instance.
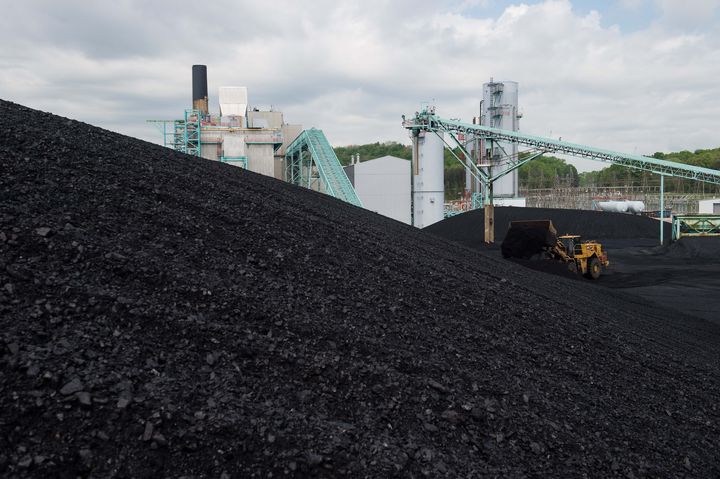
[311, 162]
[695, 225]
[428, 121]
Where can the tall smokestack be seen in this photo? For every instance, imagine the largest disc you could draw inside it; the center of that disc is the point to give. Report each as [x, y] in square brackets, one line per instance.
[199, 88]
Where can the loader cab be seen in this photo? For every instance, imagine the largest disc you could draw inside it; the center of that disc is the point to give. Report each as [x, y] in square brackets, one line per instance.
[572, 243]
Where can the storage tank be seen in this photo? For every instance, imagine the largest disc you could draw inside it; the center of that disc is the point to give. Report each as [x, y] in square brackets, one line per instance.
[500, 110]
[613, 206]
[636, 207]
[428, 179]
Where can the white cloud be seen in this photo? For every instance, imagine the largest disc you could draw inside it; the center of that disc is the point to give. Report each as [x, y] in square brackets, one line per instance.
[687, 13]
[632, 4]
[353, 68]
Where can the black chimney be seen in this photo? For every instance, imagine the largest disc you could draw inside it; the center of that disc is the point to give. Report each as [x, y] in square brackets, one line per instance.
[199, 88]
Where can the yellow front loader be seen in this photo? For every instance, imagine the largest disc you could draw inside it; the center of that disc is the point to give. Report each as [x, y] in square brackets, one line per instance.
[527, 239]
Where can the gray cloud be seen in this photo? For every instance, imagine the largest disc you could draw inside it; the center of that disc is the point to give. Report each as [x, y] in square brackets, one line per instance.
[352, 68]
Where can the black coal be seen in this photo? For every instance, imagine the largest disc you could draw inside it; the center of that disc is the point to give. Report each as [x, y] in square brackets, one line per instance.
[166, 316]
[468, 228]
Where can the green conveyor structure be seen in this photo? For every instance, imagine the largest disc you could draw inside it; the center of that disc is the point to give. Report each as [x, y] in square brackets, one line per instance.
[311, 162]
[428, 121]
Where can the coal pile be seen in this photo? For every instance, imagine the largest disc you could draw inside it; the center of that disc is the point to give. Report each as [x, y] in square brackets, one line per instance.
[697, 248]
[467, 228]
[166, 316]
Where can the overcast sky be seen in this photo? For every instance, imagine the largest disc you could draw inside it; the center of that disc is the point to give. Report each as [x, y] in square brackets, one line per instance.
[637, 76]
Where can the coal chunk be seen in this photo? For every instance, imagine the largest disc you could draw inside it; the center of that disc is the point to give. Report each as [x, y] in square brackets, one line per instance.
[72, 387]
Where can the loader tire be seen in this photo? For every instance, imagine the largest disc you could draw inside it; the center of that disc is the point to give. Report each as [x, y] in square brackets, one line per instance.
[594, 268]
[572, 267]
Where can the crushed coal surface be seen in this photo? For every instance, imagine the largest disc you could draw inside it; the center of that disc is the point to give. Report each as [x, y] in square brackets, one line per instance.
[468, 228]
[700, 248]
[167, 316]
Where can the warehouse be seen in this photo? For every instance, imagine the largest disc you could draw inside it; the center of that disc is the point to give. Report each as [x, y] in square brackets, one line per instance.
[383, 185]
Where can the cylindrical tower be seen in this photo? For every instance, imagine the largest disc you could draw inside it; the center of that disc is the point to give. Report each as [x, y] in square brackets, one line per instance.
[200, 88]
[428, 178]
[500, 110]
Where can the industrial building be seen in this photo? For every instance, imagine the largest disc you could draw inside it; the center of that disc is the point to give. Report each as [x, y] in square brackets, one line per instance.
[261, 141]
[499, 109]
[238, 134]
[711, 206]
[383, 185]
[255, 139]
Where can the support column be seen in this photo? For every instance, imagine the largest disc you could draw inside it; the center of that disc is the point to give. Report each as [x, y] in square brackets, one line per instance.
[662, 208]
[489, 215]
[489, 223]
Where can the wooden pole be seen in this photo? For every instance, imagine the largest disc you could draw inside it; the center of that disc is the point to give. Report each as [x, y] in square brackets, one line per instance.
[489, 223]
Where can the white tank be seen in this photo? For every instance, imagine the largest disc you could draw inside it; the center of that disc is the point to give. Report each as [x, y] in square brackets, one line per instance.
[428, 180]
[636, 207]
[613, 206]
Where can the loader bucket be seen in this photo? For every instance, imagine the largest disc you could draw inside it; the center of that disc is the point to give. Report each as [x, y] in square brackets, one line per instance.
[525, 239]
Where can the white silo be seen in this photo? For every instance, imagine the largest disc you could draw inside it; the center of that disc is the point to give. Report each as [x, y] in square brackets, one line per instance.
[500, 110]
[428, 195]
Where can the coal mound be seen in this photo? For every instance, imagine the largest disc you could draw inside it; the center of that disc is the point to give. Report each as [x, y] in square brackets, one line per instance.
[699, 248]
[467, 228]
[166, 316]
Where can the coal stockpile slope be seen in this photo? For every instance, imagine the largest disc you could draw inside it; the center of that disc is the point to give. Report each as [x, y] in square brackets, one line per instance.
[166, 316]
[467, 228]
[694, 248]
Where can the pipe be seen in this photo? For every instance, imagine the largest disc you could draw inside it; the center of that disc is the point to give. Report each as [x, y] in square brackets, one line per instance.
[200, 88]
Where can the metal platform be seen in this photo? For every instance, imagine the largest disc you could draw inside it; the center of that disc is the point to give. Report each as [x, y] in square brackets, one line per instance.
[695, 225]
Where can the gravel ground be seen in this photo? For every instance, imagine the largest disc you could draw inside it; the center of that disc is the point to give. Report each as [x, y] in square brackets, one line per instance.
[166, 316]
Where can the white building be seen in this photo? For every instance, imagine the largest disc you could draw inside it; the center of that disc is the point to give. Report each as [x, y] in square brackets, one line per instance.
[383, 186]
[709, 207]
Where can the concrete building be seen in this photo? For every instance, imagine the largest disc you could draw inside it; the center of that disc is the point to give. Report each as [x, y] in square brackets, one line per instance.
[709, 207]
[383, 186]
[254, 139]
[239, 135]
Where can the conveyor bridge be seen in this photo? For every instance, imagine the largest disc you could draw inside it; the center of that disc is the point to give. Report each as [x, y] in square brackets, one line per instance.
[430, 122]
[695, 225]
[311, 162]
[458, 131]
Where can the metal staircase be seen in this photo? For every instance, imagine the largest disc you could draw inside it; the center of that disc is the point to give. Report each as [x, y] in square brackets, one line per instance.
[312, 163]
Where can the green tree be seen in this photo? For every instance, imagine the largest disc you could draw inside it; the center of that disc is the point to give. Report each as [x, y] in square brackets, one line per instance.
[612, 175]
[546, 172]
